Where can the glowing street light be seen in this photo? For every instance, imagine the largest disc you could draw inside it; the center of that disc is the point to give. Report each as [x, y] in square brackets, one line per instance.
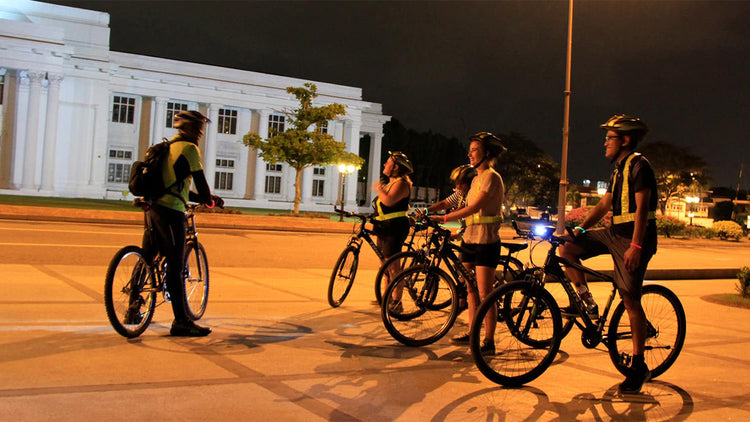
[345, 169]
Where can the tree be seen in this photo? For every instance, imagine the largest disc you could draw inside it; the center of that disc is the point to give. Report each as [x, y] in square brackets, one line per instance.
[530, 175]
[299, 147]
[677, 170]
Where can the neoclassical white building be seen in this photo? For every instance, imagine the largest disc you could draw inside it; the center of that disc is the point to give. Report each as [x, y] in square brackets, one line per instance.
[75, 115]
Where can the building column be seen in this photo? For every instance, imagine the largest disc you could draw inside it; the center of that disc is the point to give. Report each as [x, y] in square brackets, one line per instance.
[211, 147]
[160, 118]
[374, 166]
[32, 131]
[307, 177]
[260, 165]
[351, 139]
[50, 132]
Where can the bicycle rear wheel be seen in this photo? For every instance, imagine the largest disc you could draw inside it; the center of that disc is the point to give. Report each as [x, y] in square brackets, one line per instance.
[665, 333]
[129, 308]
[509, 268]
[408, 311]
[196, 280]
[342, 276]
[405, 259]
[526, 340]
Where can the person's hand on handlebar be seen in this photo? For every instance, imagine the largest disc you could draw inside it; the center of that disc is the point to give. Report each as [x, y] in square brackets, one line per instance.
[216, 201]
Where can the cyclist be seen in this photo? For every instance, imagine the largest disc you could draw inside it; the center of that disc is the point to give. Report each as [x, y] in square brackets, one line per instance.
[631, 240]
[391, 206]
[183, 165]
[483, 215]
[461, 178]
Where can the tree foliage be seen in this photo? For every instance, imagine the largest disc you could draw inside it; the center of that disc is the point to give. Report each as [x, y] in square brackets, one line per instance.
[530, 175]
[299, 146]
[678, 171]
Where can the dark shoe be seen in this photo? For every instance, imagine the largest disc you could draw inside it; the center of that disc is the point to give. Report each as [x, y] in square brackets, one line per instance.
[487, 348]
[461, 338]
[637, 376]
[133, 317]
[188, 329]
[593, 313]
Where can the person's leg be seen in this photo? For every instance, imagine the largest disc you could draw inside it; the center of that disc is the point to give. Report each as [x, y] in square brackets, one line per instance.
[485, 283]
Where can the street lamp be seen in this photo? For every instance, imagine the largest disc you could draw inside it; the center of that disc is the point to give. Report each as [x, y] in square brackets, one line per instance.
[344, 170]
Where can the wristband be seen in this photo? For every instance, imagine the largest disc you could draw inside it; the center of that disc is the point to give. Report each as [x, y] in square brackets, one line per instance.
[445, 218]
[636, 245]
[580, 228]
[212, 204]
[426, 211]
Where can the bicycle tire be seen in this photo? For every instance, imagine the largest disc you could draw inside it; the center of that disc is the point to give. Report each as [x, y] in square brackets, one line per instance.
[516, 362]
[129, 308]
[417, 323]
[665, 336]
[342, 276]
[196, 280]
[514, 271]
[407, 260]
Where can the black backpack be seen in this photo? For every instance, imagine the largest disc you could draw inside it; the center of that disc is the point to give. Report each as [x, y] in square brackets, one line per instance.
[146, 177]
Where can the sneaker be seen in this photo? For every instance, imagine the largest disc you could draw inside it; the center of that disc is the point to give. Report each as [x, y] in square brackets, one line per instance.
[395, 308]
[637, 376]
[188, 329]
[461, 338]
[487, 348]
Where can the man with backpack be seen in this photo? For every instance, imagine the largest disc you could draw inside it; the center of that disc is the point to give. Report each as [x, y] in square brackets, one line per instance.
[181, 166]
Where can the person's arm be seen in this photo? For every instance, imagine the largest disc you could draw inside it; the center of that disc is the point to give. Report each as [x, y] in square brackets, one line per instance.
[398, 191]
[633, 254]
[203, 196]
[596, 213]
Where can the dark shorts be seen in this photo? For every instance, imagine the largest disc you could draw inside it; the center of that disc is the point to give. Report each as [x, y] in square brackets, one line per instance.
[602, 241]
[391, 236]
[481, 255]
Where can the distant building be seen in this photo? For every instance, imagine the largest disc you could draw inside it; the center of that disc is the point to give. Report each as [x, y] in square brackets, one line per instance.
[75, 115]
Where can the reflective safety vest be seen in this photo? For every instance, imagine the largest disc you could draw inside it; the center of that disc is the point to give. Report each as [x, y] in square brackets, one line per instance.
[627, 216]
[391, 215]
[483, 219]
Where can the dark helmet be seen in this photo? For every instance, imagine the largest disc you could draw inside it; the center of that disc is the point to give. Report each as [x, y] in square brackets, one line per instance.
[624, 123]
[402, 160]
[463, 174]
[491, 142]
[194, 119]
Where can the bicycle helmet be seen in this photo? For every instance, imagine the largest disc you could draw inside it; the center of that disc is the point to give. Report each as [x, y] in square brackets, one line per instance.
[625, 123]
[463, 174]
[491, 142]
[193, 115]
[402, 160]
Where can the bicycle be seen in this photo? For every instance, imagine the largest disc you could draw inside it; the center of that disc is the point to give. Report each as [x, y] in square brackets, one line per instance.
[510, 266]
[530, 337]
[421, 304]
[132, 282]
[345, 269]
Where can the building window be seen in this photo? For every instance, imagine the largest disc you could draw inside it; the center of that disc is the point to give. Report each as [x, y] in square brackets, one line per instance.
[322, 127]
[123, 109]
[275, 124]
[224, 174]
[273, 181]
[172, 110]
[227, 121]
[318, 182]
[118, 166]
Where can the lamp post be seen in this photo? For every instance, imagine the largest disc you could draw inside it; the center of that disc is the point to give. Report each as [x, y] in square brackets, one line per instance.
[562, 198]
[344, 170]
[689, 201]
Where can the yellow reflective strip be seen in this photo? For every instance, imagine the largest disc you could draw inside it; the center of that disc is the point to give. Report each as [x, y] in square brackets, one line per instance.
[625, 196]
[626, 218]
[391, 215]
[489, 219]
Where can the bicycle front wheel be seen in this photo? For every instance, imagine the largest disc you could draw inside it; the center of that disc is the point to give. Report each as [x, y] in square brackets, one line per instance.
[343, 275]
[404, 260]
[129, 297]
[526, 337]
[409, 312]
[509, 268]
[196, 280]
[665, 331]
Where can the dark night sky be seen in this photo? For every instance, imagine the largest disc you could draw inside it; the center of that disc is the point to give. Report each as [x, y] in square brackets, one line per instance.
[457, 67]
